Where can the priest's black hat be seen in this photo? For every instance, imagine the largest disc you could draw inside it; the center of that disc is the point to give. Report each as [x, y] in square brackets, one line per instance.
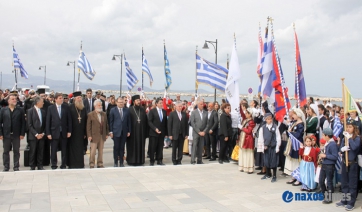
[135, 97]
[77, 93]
[41, 91]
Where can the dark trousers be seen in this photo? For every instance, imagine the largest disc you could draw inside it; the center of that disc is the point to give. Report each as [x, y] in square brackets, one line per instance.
[210, 141]
[36, 152]
[281, 155]
[14, 142]
[223, 148]
[46, 153]
[327, 171]
[85, 143]
[156, 146]
[349, 182]
[177, 146]
[63, 147]
[118, 149]
[232, 141]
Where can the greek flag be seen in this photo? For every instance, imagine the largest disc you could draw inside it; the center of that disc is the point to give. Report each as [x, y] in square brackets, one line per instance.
[19, 65]
[337, 126]
[210, 73]
[338, 164]
[145, 68]
[167, 69]
[131, 78]
[295, 142]
[85, 66]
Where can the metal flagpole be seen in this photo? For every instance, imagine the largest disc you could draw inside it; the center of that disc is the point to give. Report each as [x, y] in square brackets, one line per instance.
[120, 86]
[215, 63]
[141, 68]
[296, 68]
[344, 121]
[196, 85]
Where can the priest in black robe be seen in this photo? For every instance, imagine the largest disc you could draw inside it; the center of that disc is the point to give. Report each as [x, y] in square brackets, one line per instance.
[79, 132]
[139, 133]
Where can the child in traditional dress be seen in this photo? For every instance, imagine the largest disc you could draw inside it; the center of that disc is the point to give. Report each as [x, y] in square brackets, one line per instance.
[308, 165]
[269, 135]
[246, 143]
[349, 174]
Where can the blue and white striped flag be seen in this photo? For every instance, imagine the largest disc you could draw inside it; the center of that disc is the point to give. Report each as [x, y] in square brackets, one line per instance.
[210, 73]
[19, 65]
[85, 66]
[167, 69]
[145, 68]
[131, 77]
[295, 142]
[337, 126]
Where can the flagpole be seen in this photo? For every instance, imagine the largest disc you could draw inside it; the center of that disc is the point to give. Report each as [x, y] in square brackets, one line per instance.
[16, 79]
[296, 68]
[81, 49]
[141, 67]
[196, 85]
[277, 58]
[344, 123]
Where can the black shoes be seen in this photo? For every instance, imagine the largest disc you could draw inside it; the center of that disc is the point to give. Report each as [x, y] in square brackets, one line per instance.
[6, 169]
[41, 168]
[265, 177]
[226, 161]
[200, 162]
[16, 169]
[220, 161]
[179, 163]
[274, 179]
[152, 163]
[121, 165]
[160, 163]
[208, 157]
[212, 159]
[32, 168]
[175, 163]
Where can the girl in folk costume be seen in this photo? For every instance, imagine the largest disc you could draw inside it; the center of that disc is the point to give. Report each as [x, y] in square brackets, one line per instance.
[308, 164]
[270, 136]
[349, 174]
[291, 155]
[246, 144]
[312, 120]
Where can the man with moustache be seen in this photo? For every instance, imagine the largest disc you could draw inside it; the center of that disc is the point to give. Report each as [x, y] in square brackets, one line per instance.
[78, 114]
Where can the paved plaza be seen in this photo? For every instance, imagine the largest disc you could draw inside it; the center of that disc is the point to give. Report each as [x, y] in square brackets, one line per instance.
[206, 187]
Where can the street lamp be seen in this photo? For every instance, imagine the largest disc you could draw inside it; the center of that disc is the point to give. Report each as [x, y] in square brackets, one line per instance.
[215, 47]
[121, 58]
[45, 73]
[68, 64]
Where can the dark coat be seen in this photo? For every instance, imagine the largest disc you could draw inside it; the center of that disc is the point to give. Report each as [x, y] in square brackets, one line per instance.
[225, 125]
[89, 108]
[34, 125]
[177, 127]
[213, 122]
[155, 122]
[18, 120]
[117, 125]
[54, 122]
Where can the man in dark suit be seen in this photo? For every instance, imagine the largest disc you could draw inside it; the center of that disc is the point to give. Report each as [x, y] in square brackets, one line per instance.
[199, 123]
[36, 119]
[58, 129]
[178, 131]
[157, 120]
[210, 136]
[88, 102]
[12, 130]
[120, 129]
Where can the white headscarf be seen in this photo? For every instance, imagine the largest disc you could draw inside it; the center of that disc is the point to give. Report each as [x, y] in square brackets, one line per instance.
[315, 109]
[301, 115]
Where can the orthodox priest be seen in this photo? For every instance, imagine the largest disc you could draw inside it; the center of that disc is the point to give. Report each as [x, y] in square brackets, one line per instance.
[139, 133]
[79, 132]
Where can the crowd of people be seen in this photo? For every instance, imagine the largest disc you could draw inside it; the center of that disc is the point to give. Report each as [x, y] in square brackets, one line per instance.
[309, 146]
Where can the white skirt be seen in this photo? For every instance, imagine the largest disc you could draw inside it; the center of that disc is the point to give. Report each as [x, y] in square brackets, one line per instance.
[290, 165]
[246, 160]
[190, 133]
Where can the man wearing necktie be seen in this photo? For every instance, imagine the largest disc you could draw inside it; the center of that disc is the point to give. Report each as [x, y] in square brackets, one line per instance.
[58, 129]
[36, 124]
[178, 131]
[120, 129]
[157, 121]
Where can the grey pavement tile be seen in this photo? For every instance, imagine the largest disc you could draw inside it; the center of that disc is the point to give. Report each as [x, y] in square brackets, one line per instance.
[20, 206]
[4, 207]
[194, 206]
[91, 208]
[215, 206]
[145, 204]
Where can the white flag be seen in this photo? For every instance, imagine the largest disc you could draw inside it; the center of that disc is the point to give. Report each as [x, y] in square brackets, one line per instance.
[232, 83]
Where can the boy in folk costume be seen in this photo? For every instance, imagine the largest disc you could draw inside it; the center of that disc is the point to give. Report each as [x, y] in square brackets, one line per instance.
[270, 136]
[349, 174]
[246, 143]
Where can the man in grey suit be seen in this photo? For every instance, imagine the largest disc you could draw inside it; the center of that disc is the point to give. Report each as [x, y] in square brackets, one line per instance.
[198, 121]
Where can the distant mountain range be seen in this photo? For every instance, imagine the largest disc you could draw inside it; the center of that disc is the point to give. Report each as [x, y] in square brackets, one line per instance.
[8, 81]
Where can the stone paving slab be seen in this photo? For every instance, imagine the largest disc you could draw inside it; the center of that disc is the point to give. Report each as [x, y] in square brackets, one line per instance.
[207, 187]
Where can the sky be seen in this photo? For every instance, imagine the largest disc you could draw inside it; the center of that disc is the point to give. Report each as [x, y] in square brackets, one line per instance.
[50, 32]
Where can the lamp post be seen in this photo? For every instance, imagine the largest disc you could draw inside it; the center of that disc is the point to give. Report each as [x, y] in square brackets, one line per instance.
[120, 56]
[215, 47]
[45, 73]
[68, 64]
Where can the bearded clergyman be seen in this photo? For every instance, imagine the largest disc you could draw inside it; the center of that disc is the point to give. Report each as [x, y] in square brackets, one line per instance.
[79, 132]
